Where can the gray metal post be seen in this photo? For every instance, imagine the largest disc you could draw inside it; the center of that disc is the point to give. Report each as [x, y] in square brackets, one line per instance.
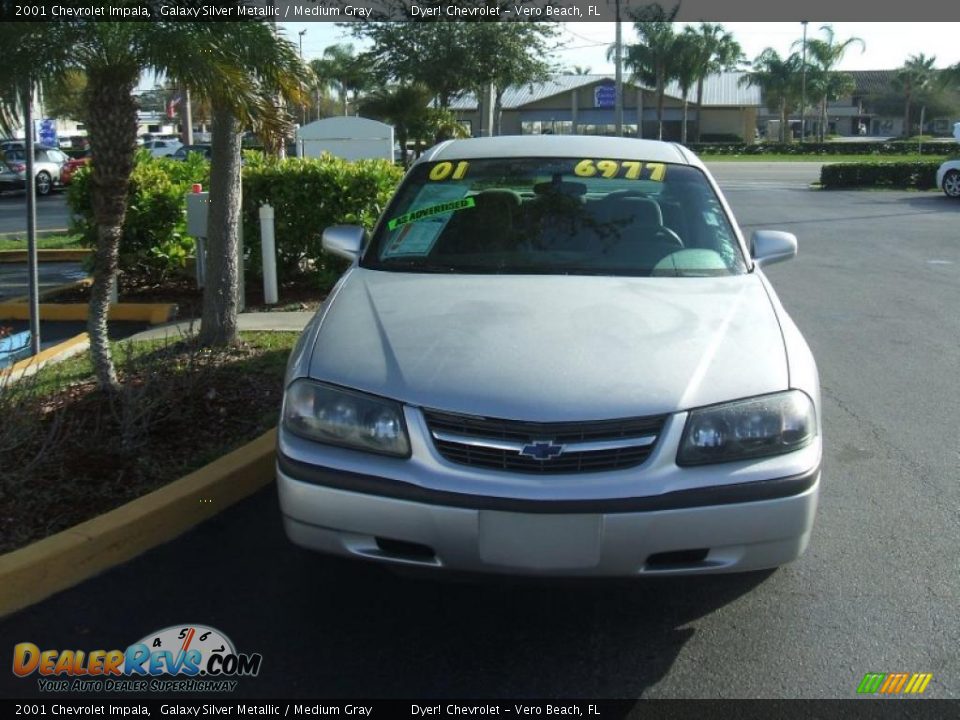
[803, 87]
[33, 279]
[241, 278]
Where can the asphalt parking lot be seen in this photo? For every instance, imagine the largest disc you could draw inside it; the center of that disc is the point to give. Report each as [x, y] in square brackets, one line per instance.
[14, 277]
[52, 212]
[875, 290]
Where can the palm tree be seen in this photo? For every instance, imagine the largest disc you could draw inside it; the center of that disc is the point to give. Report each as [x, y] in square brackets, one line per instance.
[266, 68]
[778, 80]
[113, 55]
[916, 75]
[581, 70]
[828, 86]
[717, 50]
[341, 68]
[687, 53]
[404, 106]
[824, 55]
[652, 60]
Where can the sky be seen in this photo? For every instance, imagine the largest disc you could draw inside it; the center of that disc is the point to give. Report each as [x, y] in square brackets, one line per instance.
[585, 44]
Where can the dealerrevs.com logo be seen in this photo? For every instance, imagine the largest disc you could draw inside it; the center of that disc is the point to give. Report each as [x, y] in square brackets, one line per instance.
[180, 658]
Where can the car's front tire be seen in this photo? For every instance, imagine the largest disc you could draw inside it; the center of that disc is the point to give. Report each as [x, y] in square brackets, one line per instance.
[951, 184]
[44, 183]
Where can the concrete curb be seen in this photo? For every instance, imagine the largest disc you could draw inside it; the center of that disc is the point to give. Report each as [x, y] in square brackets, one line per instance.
[20, 256]
[68, 348]
[60, 561]
[153, 313]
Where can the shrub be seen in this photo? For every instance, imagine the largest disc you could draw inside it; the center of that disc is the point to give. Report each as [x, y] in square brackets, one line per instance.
[831, 148]
[919, 175]
[707, 138]
[154, 238]
[307, 196]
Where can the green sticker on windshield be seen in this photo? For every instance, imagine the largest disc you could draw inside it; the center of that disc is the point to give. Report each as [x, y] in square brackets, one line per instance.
[430, 211]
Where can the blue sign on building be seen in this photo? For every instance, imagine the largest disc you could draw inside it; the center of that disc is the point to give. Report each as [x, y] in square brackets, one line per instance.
[605, 96]
[47, 132]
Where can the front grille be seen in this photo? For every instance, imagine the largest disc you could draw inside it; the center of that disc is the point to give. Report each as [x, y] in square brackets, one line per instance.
[495, 444]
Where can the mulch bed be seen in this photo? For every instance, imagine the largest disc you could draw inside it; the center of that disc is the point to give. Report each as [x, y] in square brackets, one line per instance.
[298, 295]
[74, 453]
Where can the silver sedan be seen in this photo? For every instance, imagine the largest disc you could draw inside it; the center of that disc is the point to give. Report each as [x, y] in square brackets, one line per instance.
[554, 356]
[47, 163]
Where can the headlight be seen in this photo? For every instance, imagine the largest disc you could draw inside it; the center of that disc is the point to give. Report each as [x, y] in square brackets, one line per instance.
[768, 425]
[342, 417]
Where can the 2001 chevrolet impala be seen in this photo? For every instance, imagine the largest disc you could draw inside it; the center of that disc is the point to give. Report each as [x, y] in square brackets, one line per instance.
[554, 355]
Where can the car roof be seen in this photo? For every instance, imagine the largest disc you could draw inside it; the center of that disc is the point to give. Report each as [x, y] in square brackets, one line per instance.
[587, 146]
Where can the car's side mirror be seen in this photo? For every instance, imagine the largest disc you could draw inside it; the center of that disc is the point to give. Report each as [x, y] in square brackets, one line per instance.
[344, 240]
[772, 246]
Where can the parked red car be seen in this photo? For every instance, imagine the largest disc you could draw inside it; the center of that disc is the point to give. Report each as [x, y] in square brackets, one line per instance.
[72, 165]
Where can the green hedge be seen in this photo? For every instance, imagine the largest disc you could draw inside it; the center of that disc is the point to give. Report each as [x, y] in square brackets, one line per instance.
[919, 175]
[308, 195]
[830, 148]
[154, 230]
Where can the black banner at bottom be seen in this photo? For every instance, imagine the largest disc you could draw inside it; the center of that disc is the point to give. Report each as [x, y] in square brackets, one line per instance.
[867, 709]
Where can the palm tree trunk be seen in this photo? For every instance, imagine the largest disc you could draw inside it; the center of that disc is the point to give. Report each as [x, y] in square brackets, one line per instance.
[699, 107]
[660, 93]
[823, 119]
[683, 127]
[783, 121]
[112, 117]
[906, 117]
[218, 326]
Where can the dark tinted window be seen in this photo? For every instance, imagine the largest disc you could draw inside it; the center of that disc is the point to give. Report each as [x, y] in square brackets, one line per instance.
[556, 215]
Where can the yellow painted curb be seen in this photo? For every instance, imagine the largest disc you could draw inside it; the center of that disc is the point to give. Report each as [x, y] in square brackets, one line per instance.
[63, 560]
[153, 313]
[61, 351]
[17, 256]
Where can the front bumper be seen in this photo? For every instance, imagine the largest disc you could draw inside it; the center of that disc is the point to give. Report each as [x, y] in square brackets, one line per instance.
[728, 528]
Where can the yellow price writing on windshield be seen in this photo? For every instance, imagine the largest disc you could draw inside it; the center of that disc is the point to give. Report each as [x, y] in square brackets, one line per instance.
[445, 169]
[629, 169]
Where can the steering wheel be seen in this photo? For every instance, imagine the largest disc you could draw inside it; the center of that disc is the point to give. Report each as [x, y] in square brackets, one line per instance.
[668, 236]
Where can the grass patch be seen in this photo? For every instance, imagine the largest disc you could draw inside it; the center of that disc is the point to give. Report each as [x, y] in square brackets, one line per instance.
[50, 242]
[71, 453]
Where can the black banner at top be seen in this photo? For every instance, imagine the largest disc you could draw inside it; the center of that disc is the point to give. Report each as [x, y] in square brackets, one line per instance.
[476, 10]
[232, 708]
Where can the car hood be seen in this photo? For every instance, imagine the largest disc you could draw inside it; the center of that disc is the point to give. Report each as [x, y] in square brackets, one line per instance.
[551, 347]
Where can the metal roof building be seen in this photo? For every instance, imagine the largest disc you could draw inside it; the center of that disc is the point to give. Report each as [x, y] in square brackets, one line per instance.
[584, 105]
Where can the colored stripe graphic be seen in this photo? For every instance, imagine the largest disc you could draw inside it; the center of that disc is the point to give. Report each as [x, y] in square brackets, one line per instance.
[894, 683]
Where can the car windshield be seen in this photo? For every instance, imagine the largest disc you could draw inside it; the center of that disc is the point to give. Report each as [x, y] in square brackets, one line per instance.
[556, 216]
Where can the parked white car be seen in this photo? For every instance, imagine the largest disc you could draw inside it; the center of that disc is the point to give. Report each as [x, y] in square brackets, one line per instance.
[162, 148]
[948, 178]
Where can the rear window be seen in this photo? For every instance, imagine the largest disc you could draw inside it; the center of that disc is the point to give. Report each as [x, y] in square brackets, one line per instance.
[556, 216]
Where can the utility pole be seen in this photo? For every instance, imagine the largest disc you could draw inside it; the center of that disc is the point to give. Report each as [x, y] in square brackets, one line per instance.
[803, 87]
[186, 117]
[303, 106]
[33, 279]
[618, 100]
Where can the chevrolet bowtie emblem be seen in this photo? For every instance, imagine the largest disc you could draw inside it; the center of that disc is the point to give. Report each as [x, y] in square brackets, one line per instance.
[542, 450]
